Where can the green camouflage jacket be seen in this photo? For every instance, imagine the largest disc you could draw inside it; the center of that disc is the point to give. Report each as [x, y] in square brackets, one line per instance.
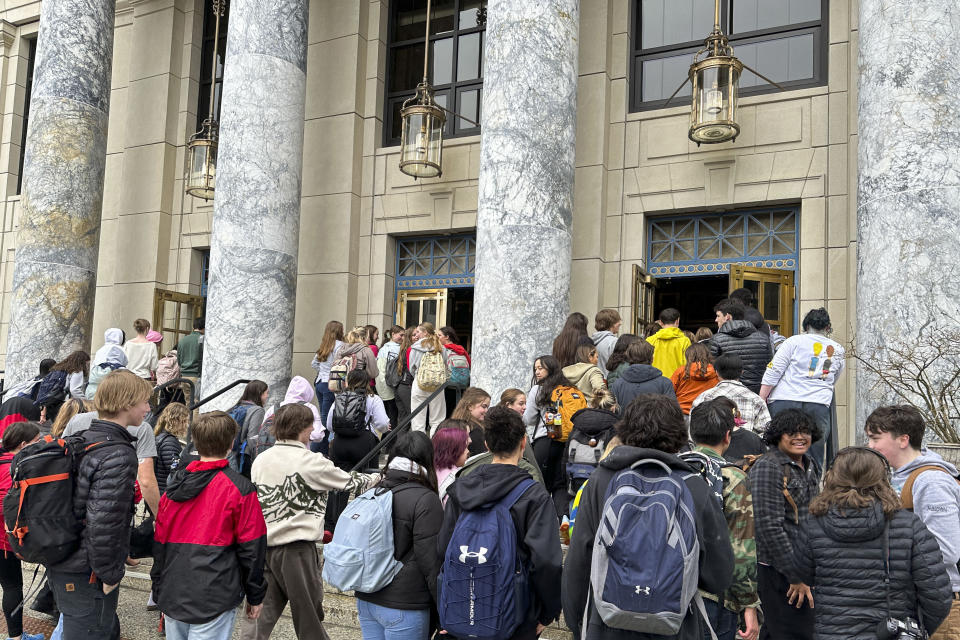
[738, 509]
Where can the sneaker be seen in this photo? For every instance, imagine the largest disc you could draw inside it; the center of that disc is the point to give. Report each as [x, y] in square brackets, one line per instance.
[34, 636]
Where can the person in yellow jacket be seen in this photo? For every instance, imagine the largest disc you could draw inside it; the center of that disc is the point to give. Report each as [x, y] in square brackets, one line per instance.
[669, 344]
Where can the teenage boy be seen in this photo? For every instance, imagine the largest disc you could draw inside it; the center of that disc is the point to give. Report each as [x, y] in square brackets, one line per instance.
[295, 523]
[210, 540]
[651, 427]
[784, 481]
[736, 335]
[538, 537]
[711, 429]
[190, 358]
[607, 323]
[669, 343]
[85, 585]
[926, 483]
[753, 410]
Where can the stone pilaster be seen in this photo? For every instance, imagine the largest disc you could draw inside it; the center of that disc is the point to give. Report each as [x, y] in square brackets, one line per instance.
[256, 221]
[526, 187]
[909, 181]
[54, 276]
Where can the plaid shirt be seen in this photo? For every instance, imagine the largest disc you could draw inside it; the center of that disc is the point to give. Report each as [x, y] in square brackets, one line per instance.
[738, 511]
[753, 410]
[775, 520]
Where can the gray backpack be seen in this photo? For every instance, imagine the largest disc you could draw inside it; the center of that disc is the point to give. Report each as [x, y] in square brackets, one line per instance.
[360, 557]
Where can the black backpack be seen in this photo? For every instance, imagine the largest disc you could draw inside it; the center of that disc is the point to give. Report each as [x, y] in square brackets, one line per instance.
[350, 413]
[38, 511]
[52, 389]
[391, 374]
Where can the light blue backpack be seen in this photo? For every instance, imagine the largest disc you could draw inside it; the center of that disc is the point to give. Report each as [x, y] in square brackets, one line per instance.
[360, 557]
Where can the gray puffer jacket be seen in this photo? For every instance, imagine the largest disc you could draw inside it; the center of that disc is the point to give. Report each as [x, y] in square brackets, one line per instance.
[753, 347]
[841, 556]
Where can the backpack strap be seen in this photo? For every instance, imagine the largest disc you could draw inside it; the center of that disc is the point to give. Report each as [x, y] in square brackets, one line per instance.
[786, 492]
[906, 494]
[514, 495]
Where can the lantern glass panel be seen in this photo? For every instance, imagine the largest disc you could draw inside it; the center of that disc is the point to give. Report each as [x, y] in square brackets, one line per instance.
[713, 118]
[202, 175]
[422, 144]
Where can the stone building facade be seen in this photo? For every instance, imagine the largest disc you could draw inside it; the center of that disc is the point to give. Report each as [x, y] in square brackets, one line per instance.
[647, 201]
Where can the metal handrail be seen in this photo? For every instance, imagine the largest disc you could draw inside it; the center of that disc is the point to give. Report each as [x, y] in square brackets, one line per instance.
[396, 431]
[193, 387]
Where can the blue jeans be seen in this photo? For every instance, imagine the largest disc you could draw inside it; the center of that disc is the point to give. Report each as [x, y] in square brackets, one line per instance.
[325, 399]
[383, 623]
[220, 628]
[723, 621]
[820, 414]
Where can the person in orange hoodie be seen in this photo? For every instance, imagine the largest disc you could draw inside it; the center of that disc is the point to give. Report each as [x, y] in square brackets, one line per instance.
[695, 377]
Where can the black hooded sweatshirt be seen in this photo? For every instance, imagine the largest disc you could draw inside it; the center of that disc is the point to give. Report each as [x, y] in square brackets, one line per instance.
[716, 554]
[638, 379]
[537, 532]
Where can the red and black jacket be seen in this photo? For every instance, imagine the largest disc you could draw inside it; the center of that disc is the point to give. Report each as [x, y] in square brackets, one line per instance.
[210, 534]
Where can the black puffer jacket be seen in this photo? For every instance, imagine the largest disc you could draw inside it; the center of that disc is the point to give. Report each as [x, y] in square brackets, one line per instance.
[753, 347]
[638, 379]
[417, 516]
[168, 455]
[103, 500]
[841, 556]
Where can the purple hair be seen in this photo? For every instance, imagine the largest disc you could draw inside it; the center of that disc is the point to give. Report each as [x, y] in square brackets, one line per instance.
[448, 445]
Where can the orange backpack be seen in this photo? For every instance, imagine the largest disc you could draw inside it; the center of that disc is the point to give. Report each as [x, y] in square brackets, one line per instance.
[558, 418]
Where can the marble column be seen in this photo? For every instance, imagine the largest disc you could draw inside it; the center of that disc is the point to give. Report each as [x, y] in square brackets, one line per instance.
[55, 266]
[908, 206]
[526, 187]
[256, 218]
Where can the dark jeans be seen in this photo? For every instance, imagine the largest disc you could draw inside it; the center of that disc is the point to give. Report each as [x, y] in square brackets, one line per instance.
[402, 398]
[346, 452]
[549, 455]
[723, 621]
[820, 414]
[781, 620]
[392, 411]
[86, 611]
[325, 399]
[11, 580]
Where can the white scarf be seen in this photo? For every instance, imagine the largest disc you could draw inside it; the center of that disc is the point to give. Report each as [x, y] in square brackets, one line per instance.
[405, 464]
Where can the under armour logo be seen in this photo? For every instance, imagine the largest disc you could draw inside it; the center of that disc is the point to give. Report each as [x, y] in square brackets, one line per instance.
[465, 553]
[644, 590]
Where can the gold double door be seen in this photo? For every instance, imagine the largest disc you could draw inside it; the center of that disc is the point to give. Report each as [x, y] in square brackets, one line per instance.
[417, 306]
[773, 292]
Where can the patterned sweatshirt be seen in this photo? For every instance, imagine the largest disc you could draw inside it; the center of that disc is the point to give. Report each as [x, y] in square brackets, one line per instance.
[292, 483]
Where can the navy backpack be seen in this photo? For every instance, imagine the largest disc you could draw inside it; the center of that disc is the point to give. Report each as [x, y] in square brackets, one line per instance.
[484, 585]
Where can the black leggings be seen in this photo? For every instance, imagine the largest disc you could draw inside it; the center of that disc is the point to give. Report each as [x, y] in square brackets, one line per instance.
[549, 454]
[346, 452]
[11, 580]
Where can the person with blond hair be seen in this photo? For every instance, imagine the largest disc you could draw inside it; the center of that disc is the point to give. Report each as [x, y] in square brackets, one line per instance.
[471, 409]
[68, 411]
[170, 434]
[436, 411]
[868, 560]
[85, 585]
[356, 345]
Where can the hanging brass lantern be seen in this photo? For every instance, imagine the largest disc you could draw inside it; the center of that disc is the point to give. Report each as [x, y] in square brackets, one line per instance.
[423, 120]
[715, 78]
[201, 176]
[421, 140]
[200, 166]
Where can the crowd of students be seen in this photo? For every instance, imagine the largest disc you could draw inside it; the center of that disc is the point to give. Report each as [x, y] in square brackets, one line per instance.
[683, 476]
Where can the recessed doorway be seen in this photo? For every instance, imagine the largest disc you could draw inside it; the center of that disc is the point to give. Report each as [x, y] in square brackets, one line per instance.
[694, 297]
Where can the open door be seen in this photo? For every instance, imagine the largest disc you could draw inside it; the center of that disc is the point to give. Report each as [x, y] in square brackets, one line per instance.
[173, 314]
[644, 287]
[416, 306]
[773, 290]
